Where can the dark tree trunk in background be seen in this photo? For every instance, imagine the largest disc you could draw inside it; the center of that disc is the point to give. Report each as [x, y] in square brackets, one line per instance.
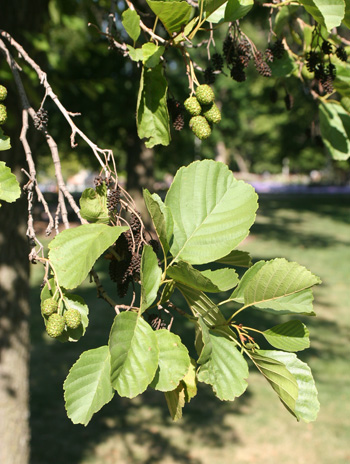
[16, 17]
[14, 328]
[140, 172]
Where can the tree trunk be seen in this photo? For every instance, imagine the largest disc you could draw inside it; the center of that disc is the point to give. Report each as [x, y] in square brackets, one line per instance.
[242, 164]
[140, 172]
[17, 17]
[14, 331]
[222, 153]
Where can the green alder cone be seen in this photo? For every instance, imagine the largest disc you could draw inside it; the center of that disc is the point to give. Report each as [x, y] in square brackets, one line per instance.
[3, 114]
[3, 93]
[72, 318]
[205, 94]
[212, 113]
[49, 306]
[193, 106]
[55, 325]
[200, 127]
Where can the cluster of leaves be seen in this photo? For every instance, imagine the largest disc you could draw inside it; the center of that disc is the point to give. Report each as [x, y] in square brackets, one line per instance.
[283, 59]
[9, 186]
[205, 215]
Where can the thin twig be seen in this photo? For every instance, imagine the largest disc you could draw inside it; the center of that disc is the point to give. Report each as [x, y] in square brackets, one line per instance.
[145, 28]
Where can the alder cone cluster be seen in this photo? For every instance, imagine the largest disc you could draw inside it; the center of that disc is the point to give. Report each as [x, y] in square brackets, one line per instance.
[203, 110]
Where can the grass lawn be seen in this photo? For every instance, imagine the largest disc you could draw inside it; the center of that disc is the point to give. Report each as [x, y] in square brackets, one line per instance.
[255, 428]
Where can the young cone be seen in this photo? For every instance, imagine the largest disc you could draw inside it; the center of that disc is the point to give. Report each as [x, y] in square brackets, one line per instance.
[200, 127]
[55, 325]
[49, 306]
[212, 113]
[205, 94]
[72, 318]
[193, 106]
[3, 93]
[3, 114]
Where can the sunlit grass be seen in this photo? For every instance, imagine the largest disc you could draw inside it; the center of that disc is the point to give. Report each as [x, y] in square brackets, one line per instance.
[256, 428]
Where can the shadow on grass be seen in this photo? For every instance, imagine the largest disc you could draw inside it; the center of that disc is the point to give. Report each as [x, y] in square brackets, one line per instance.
[280, 227]
[334, 206]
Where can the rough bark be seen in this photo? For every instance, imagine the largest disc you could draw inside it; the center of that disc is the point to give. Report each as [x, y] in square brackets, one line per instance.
[17, 17]
[14, 332]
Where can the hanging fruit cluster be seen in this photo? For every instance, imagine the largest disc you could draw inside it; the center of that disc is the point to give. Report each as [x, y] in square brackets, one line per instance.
[56, 322]
[237, 52]
[204, 111]
[318, 61]
[3, 112]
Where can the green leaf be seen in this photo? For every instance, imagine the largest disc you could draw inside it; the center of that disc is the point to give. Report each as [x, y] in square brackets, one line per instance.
[236, 9]
[226, 369]
[93, 204]
[181, 36]
[74, 251]
[335, 130]
[224, 279]
[174, 361]
[131, 23]
[88, 387]
[201, 305]
[134, 354]
[168, 290]
[279, 377]
[9, 186]
[218, 16]
[342, 81]
[297, 303]
[346, 19]
[345, 103]
[277, 285]
[283, 16]
[173, 14]
[329, 13]
[238, 293]
[284, 66]
[5, 143]
[176, 401]
[136, 54]
[236, 258]
[152, 110]
[151, 275]
[159, 212]
[307, 404]
[151, 54]
[190, 381]
[77, 302]
[212, 212]
[207, 281]
[211, 5]
[290, 336]
[202, 342]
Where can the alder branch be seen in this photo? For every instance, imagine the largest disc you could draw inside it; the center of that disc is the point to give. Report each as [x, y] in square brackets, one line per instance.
[145, 28]
[98, 152]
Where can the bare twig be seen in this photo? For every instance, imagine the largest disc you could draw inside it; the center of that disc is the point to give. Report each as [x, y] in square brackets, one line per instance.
[145, 28]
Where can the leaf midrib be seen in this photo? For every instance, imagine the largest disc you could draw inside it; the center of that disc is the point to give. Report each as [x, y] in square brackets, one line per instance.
[199, 225]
